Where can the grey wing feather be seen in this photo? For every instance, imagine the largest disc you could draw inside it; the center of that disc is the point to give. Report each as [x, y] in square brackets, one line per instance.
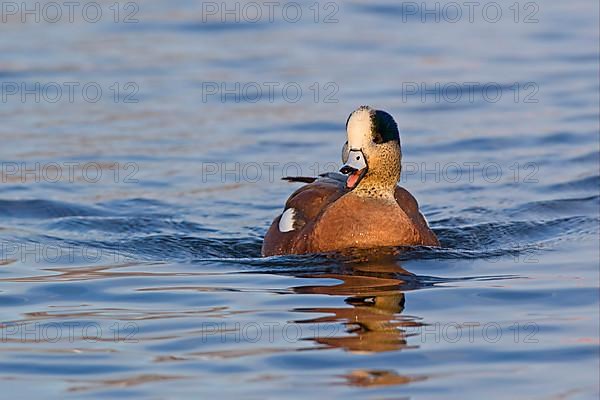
[335, 176]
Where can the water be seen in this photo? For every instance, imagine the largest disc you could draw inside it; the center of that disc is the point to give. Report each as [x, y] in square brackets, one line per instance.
[137, 272]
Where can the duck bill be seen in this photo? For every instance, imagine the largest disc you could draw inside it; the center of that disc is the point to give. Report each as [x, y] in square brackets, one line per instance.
[356, 167]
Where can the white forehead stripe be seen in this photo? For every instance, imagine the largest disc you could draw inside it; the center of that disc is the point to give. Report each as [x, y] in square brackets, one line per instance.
[287, 220]
[359, 128]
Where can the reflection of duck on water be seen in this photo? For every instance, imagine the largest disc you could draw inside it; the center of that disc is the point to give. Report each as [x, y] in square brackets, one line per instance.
[374, 292]
[367, 378]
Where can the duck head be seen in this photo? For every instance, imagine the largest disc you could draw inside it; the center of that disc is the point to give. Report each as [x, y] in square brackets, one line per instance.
[372, 153]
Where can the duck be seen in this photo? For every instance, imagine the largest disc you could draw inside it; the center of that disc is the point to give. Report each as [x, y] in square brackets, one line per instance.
[361, 206]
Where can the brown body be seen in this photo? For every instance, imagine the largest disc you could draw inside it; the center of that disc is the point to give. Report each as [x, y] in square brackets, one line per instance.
[330, 218]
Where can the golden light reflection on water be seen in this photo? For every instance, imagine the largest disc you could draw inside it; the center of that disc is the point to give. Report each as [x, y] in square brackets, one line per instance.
[368, 378]
[372, 322]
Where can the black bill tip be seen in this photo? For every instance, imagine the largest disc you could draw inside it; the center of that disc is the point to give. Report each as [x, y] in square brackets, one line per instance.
[346, 170]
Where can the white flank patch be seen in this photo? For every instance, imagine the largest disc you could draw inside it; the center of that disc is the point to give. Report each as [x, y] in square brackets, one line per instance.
[286, 222]
[359, 128]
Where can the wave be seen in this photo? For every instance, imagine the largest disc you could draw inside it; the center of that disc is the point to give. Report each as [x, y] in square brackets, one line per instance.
[140, 229]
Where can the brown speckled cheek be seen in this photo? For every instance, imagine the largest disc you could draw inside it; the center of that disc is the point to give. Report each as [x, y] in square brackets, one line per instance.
[384, 168]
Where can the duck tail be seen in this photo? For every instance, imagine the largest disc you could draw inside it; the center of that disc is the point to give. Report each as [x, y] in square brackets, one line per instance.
[304, 179]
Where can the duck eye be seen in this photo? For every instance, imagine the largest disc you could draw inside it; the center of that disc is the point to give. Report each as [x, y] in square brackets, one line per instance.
[377, 138]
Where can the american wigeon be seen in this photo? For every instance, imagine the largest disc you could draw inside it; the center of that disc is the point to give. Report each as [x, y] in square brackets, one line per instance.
[361, 208]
